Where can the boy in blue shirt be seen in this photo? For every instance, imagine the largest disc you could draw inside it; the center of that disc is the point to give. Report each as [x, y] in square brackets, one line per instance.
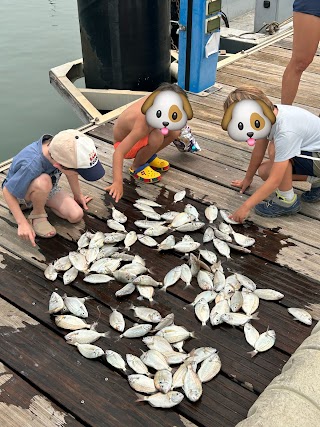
[33, 177]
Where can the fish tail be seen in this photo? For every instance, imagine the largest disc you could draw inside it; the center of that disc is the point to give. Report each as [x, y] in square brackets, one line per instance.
[193, 335]
[106, 334]
[255, 316]
[110, 206]
[253, 353]
[132, 307]
[93, 326]
[141, 397]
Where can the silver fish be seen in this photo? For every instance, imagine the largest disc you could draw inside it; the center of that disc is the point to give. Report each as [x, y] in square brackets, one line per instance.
[186, 275]
[268, 294]
[142, 383]
[56, 303]
[170, 215]
[146, 292]
[134, 268]
[225, 216]
[78, 261]
[70, 275]
[122, 256]
[190, 226]
[137, 331]
[139, 260]
[175, 333]
[76, 306]
[105, 265]
[222, 236]
[116, 320]
[202, 311]
[83, 241]
[208, 235]
[171, 277]
[97, 240]
[163, 381]
[89, 351]
[137, 365]
[209, 256]
[161, 400]
[217, 311]
[194, 264]
[107, 251]
[62, 264]
[300, 314]
[166, 321]
[151, 215]
[225, 228]
[211, 213]
[148, 203]
[130, 239]
[84, 336]
[156, 231]
[114, 359]
[68, 321]
[237, 319]
[192, 210]
[155, 360]
[117, 215]
[124, 276]
[192, 385]
[50, 273]
[186, 246]
[125, 290]
[147, 314]
[204, 281]
[91, 254]
[208, 296]
[243, 240]
[96, 278]
[145, 280]
[143, 207]
[209, 368]
[264, 342]
[145, 223]
[181, 219]
[236, 301]
[250, 301]
[175, 357]
[251, 334]
[199, 354]
[178, 376]
[147, 240]
[246, 282]
[157, 343]
[222, 247]
[180, 195]
[167, 244]
[115, 225]
[114, 237]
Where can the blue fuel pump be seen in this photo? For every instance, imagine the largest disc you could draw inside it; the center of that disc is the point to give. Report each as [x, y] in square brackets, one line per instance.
[199, 31]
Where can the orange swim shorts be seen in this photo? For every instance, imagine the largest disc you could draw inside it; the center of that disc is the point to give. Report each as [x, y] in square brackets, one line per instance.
[131, 154]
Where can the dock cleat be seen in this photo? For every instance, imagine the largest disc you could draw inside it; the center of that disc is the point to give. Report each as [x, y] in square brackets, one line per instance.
[311, 196]
[278, 207]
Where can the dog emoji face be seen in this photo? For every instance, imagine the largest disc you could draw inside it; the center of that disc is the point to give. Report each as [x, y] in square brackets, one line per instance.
[167, 110]
[248, 120]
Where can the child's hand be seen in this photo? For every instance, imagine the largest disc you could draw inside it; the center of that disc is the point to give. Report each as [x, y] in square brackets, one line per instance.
[26, 232]
[242, 184]
[83, 200]
[115, 190]
[240, 214]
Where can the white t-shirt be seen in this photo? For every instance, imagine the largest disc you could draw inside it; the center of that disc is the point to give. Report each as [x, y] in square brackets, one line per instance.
[295, 130]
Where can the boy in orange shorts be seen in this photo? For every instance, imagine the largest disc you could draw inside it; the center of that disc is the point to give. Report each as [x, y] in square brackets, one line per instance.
[145, 128]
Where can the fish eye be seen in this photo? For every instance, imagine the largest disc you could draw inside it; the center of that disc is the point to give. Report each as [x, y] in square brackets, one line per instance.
[158, 114]
[174, 116]
[240, 126]
[257, 124]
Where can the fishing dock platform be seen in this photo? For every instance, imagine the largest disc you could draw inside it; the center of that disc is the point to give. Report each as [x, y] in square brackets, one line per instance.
[45, 382]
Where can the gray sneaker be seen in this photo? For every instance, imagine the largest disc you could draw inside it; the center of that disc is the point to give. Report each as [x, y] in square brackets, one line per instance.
[311, 196]
[276, 207]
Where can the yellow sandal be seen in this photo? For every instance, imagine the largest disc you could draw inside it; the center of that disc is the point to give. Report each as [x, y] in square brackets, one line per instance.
[146, 174]
[159, 165]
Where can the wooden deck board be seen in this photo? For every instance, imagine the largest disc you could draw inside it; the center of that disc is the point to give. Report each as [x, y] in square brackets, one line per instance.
[286, 257]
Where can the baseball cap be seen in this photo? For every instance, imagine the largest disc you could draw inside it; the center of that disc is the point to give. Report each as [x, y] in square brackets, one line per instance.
[75, 150]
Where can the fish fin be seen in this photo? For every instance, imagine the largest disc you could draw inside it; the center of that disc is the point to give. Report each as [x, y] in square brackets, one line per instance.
[93, 326]
[141, 397]
[110, 206]
[106, 334]
[253, 353]
[193, 335]
[254, 316]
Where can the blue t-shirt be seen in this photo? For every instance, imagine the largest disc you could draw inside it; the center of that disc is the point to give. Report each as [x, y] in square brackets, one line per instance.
[27, 165]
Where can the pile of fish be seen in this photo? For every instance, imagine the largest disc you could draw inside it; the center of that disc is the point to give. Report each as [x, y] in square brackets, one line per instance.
[102, 258]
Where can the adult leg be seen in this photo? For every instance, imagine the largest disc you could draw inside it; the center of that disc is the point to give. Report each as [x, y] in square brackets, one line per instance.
[37, 193]
[64, 206]
[306, 38]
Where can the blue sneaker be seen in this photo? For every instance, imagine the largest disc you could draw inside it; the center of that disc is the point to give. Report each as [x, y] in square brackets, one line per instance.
[278, 207]
[311, 196]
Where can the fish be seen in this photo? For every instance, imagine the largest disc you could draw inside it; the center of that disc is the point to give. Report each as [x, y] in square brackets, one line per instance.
[137, 331]
[148, 203]
[130, 239]
[251, 334]
[167, 244]
[83, 241]
[114, 359]
[144, 207]
[202, 311]
[208, 235]
[68, 321]
[192, 210]
[147, 240]
[170, 215]
[161, 400]
[190, 226]
[180, 195]
[139, 260]
[163, 381]
[246, 282]
[186, 246]
[76, 306]
[157, 343]
[166, 321]
[237, 319]
[114, 237]
[62, 264]
[145, 223]
[142, 383]
[186, 275]
[84, 336]
[106, 251]
[175, 333]
[70, 275]
[204, 281]
[243, 240]
[89, 351]
[178, 376]
[219, 281]
[192, 385]
[146, 292]
[127, 289]
[97, 240]
[209, 256]
[199, 354]
[124, 276]
[174, 357]
[181, 219]
[264, 342]
[268, 294]
[115, 225]
[222, 236]
[147, 314]
[91, 254]
[225, 228]
[78, 261]
[179, 346]
[250, 301]
[96, 278]
[236, 301]
[105, 265]
[156, 231]
[154, 359]
[208, 296]
[122, 256]
[56, 303]
[222, 247]
[239, 248]
[145, 280]
[225, 216]
[151, 215]
[211, 213]
[194, 264]
[209, 368]
[217, 311]
[50, 273]
[301, 314]
[133, 268]
[137, 365]
[117, 215]
[171, 277]
[116, 320]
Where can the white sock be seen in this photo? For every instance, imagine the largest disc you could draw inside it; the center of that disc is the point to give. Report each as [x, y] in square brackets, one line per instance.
[314, 181]
[287, 195]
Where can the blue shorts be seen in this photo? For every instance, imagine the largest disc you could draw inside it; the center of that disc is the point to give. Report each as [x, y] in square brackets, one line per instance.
[302, 166]
[311, 7]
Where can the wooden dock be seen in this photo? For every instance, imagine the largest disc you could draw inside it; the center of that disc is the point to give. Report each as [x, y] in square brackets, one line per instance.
[45, 382]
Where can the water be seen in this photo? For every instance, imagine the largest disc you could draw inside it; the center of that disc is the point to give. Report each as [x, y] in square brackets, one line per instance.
[34, 37]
